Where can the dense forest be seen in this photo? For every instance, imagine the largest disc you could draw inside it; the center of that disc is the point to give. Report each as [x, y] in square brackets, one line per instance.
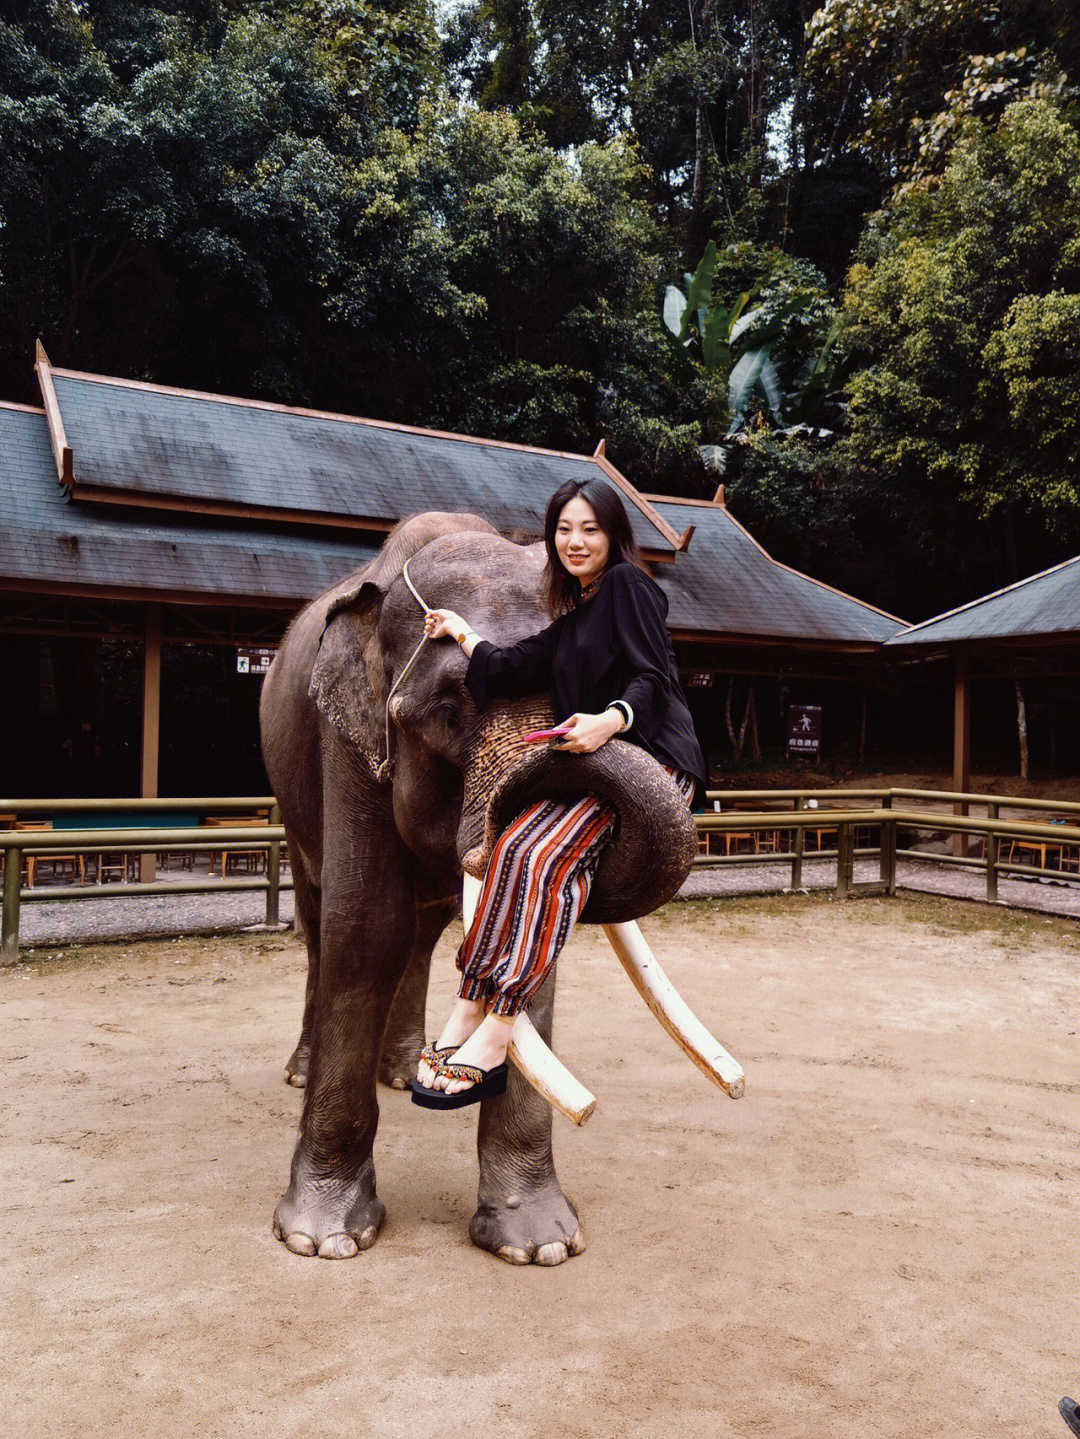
[826, 255]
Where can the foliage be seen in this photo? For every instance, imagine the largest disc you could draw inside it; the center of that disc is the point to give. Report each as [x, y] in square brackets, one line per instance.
[695, 84]
[895, 82]
[262, 231]
[331, 202]
[734, 346]
[964, 301]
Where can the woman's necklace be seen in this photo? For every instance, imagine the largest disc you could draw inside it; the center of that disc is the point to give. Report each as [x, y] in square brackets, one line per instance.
[587, 591]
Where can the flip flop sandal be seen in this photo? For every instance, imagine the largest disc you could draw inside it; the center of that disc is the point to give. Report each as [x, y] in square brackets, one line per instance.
[1070, 1412]
[486, 1084]
[435, 1058]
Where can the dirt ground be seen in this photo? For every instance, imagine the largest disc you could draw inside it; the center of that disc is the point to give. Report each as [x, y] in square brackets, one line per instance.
[880, 1239]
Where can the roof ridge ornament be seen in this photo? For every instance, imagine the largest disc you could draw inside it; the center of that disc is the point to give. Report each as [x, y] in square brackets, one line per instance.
[65, 468]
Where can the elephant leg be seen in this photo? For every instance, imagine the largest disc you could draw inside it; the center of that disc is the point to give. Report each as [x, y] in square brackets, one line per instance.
[306, 900]
[522, 1214]
[367, 936]
[405, 1034]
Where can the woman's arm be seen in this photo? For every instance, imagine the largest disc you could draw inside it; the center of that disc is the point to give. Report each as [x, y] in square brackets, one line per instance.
[513, 669]
[447, 624]
[638, 622]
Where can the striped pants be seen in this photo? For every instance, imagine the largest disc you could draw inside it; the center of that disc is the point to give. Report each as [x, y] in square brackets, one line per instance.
[537, 882]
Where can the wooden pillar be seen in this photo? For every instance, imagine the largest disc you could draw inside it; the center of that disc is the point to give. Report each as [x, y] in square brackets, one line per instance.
[961, 743]
[151, 720]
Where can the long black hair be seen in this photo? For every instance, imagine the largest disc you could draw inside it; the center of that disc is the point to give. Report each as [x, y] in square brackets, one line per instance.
[561, 590]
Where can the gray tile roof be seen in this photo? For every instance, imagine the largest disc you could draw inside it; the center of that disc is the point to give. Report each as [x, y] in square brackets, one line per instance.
[723, 585]
[726, 584]
[44, 536]
[197, 448]
[1046, 605]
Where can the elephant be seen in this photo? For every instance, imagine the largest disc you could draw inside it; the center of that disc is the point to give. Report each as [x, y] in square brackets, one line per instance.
[391, 784]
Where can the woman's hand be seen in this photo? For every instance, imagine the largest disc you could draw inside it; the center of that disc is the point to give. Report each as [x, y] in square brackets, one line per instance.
[588, 732]
[444, 624]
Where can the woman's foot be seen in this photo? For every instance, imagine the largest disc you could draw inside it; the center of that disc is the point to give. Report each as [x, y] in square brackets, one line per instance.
[485, 1049]
[465, 1018]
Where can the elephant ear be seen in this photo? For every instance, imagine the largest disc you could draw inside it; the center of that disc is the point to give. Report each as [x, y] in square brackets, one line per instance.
[347, 682]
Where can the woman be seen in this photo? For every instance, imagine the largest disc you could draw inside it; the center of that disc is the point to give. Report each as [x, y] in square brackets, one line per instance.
[607, 662]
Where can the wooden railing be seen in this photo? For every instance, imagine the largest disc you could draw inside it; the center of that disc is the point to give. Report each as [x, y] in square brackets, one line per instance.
[794, 813]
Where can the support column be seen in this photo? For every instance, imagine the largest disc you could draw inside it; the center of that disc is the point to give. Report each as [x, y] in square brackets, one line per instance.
[961, 743]
[151, 721]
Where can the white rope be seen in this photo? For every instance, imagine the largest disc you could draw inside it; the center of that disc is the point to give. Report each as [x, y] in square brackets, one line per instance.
[386, 769]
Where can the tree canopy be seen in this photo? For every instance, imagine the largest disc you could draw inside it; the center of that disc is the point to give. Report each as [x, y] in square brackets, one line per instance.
[470, 218]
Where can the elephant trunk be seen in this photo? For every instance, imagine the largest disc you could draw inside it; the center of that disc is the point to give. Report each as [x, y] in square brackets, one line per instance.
[655, 841]
[499, 747]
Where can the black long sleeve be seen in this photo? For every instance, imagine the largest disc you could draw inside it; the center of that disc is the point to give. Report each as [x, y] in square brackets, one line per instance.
[517, 669]
[612, 646]
[638, 609]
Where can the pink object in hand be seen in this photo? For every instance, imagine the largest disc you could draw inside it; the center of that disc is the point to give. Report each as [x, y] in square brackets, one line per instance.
[542, 734]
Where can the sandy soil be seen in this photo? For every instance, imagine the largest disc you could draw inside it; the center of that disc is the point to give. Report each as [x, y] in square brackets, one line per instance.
[880, 1239]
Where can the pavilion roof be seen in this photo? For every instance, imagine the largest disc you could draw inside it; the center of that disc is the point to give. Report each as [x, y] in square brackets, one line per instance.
[50, 541]
[1044, 607]
[726, 585]
[128, 442]
[198, 497]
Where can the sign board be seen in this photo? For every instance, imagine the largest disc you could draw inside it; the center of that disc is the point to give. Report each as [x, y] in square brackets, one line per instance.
[253, 661]
[804, 729]
[699, 680]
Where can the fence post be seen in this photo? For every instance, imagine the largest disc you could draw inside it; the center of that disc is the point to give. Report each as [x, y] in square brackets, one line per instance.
[887, 851]
[992, 811]
[273, 874]
[844, 859]
[9, 926]
[797, 848]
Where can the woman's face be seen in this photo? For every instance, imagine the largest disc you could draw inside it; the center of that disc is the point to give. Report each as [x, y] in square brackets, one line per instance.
[580, 543]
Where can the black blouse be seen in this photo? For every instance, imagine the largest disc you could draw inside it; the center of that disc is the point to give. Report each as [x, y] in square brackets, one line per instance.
[613, 646]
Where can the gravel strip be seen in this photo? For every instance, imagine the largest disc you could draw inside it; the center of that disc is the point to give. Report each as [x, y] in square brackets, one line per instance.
[156, 916]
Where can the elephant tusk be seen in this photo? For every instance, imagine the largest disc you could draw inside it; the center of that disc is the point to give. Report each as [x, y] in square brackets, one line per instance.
[672, 1011]
[528, 1052]
[547, 1074]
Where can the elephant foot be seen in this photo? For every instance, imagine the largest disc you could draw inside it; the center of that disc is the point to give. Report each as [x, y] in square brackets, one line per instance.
[296, 1066]
[537, 1228]
[334, 1220]
[399, 1061]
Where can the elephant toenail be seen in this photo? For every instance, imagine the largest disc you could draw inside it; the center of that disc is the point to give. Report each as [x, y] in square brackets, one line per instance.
[513, 1254]
[553, 1253]
[301, 1244]
[576, 1242]
[338, 1246]
[370, 1234]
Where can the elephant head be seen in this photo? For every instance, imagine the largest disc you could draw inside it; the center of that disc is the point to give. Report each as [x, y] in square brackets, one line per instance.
[459, 776]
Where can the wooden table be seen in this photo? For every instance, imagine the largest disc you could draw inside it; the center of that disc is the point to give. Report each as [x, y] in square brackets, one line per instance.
[255, 859]
[1033, 847]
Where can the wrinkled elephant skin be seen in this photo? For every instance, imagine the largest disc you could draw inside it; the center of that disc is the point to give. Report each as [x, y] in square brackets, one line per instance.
[376, 860]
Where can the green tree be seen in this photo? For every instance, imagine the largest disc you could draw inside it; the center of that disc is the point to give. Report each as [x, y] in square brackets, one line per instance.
[958, 470]
[504, 290]
[171, 194]
[894, 83]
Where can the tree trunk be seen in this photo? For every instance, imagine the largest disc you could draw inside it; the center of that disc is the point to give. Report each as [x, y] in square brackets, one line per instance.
[696, 227]
[736, 743]
[751, 716]
[1021, 725]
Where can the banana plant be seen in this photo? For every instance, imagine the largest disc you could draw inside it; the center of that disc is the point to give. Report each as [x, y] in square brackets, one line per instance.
[711, 336]
[715, 335]
[821, 380]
